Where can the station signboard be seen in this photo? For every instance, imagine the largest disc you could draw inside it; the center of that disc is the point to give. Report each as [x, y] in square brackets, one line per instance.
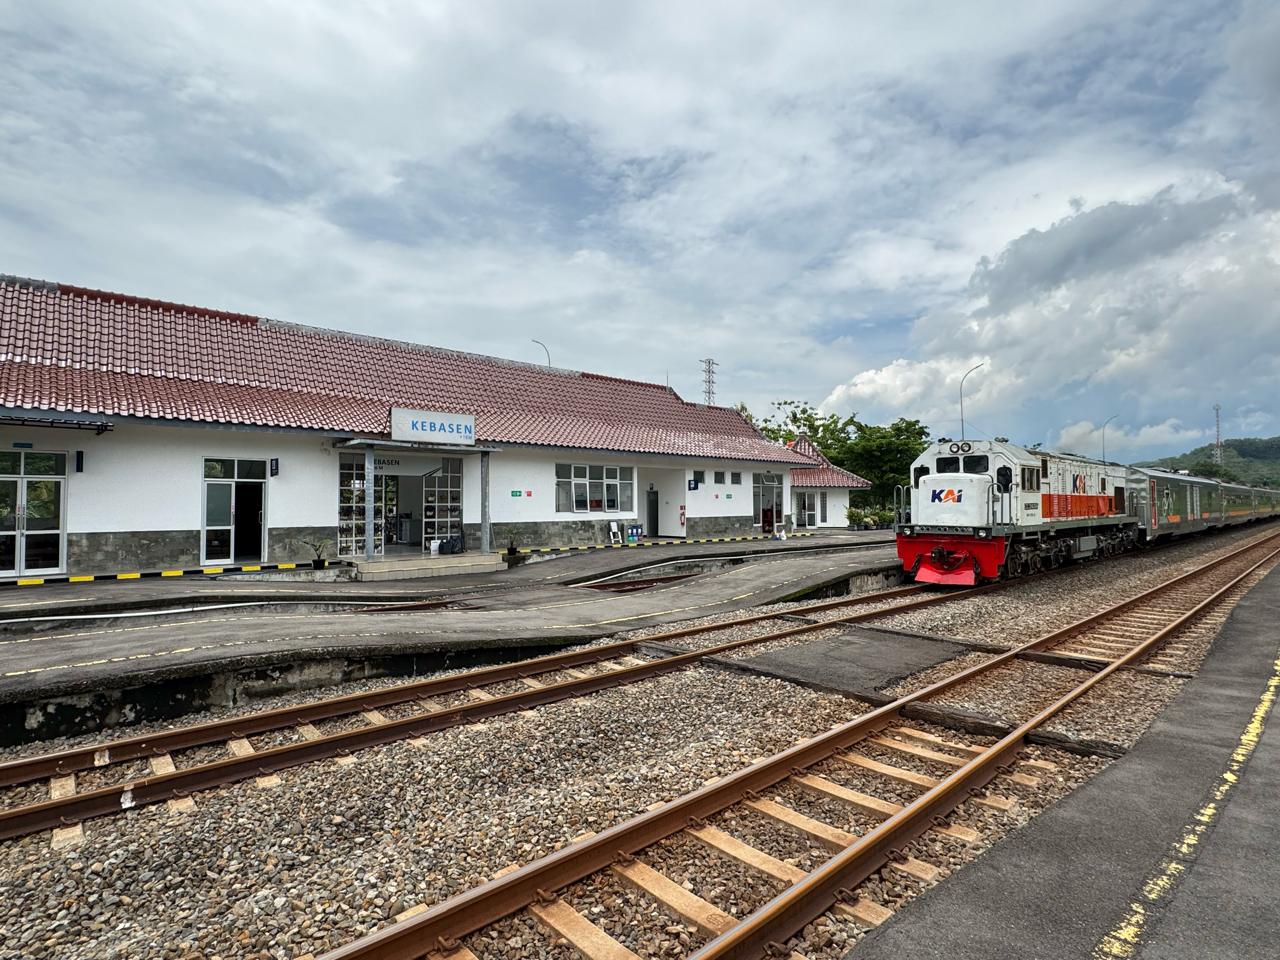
[433, 426]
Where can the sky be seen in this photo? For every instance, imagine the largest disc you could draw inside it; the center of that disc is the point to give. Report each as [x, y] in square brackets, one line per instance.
[845, 204]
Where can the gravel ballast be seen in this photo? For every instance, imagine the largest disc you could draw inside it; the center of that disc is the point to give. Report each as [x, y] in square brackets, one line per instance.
[337, 851]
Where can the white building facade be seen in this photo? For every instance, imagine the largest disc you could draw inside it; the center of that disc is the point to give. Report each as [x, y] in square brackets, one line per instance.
[145, 436]
[821, 494]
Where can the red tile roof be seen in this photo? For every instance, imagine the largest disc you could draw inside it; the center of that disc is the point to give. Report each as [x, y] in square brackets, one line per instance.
[66, 348]
[826, 475]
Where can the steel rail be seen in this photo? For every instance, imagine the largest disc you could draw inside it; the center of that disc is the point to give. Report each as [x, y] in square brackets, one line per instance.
[447, 922]
[788, 912]
[153, 744]
[47, 814]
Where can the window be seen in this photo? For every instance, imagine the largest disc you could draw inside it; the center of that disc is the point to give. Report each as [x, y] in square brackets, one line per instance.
[1004, 478]
[948, 464]
[699, 477]
[582, 487]
[735, 478]
[719, 475]
[822, 506]
[217, 469]
[919, 472]
[978, 463]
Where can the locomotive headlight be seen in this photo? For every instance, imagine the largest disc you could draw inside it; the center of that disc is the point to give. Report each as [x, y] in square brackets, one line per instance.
[905, 531]
[982, 534]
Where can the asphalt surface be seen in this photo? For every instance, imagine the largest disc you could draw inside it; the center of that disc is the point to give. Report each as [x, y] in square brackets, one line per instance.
[533, 608]
[860, 661]
[1106, 873]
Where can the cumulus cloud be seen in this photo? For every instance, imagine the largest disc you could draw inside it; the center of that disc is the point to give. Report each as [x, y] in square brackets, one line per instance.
[856, 203]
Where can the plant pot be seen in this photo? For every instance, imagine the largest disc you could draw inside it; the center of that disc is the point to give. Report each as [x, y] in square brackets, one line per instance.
[318, 563]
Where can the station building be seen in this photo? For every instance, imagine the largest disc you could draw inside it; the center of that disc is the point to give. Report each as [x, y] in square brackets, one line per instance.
[142, 435]
[822, 493]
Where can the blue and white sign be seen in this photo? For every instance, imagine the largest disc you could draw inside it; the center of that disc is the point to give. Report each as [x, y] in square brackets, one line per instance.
[433, 426]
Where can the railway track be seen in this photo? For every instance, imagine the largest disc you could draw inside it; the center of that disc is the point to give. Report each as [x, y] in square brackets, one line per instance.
[59, 789]
[880, 743]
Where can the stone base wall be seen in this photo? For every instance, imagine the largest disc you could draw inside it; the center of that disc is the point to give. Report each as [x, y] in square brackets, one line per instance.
[698, 528]
[132, 551]
[284, 543]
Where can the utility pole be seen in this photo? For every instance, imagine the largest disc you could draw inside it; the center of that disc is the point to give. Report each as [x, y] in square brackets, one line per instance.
[709, 381]
[1104, 435]
[1217, 443]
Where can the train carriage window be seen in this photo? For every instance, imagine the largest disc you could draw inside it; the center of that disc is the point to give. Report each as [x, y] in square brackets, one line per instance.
[919, 472]
[948, 464]
[978, 463]
[1004, 478]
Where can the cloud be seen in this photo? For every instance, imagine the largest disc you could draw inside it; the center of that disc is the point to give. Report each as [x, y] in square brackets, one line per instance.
[851, 204]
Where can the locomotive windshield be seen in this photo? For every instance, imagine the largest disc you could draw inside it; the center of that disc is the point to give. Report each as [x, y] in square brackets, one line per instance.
[948, 464]
[978, 463]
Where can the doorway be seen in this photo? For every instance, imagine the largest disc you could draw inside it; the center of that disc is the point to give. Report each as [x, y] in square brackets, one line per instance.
[806, 508]
[32, 512]
[235, 511]
[651, 513]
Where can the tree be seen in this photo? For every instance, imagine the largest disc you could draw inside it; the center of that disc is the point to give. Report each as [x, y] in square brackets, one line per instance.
[1207, 468]
[830, 432]
[884, 455]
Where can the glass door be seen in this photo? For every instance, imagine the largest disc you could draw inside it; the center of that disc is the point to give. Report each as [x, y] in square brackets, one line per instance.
[8, 525]
[42, 527]
[32, 512]
[218, 501]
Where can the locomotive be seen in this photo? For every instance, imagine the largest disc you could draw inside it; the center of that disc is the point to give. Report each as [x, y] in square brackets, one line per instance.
[979, 510]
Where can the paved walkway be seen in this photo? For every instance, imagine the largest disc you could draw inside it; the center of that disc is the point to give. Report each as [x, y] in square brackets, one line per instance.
[1171, 853]
[529, 606]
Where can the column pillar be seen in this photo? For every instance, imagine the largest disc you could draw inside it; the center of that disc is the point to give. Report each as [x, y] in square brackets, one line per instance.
[370, 481]
[485, 541]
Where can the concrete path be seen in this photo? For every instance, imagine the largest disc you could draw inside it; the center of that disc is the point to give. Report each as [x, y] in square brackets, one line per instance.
[1171, 853]
[130, 651]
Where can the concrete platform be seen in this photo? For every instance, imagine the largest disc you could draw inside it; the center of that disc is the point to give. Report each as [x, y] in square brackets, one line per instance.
[1171, 853]
[423, 567]
[533, 607]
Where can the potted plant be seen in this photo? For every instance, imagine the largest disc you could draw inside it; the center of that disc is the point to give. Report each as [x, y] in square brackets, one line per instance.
[857, 518]
[318, 547]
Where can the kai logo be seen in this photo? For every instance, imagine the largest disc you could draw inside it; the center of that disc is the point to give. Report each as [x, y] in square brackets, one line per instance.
[946, 496]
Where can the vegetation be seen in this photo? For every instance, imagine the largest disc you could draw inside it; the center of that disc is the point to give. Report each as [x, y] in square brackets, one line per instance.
[1251, 460]
[880, 454]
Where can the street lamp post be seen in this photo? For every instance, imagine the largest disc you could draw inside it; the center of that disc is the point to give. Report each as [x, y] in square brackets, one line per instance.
[1104, 435]
[962, 380]
[548, 352]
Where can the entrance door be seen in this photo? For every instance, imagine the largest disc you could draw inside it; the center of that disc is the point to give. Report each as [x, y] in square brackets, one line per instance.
[247, 522]
[234, 510]
[806, 508]
[32, 512]
[651, 526]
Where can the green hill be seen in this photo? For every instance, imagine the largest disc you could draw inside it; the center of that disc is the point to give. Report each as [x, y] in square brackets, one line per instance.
[1251, 460]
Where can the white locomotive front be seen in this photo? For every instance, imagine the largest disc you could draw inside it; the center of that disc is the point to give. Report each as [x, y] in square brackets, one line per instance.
[981, 509]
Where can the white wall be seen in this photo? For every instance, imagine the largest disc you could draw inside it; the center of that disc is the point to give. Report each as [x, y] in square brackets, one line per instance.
[837, 504]
[151, 477]
[672, 489]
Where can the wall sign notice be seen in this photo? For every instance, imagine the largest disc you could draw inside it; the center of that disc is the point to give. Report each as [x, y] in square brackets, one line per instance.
[433, 426]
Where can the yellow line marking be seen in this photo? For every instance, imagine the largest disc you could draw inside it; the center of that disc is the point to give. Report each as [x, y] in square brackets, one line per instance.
[128, 576]
[30, 581]
[211, 570]
[286, 566]
[250, 569]
[1124, 939]
[171, 573]
[79, 579]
